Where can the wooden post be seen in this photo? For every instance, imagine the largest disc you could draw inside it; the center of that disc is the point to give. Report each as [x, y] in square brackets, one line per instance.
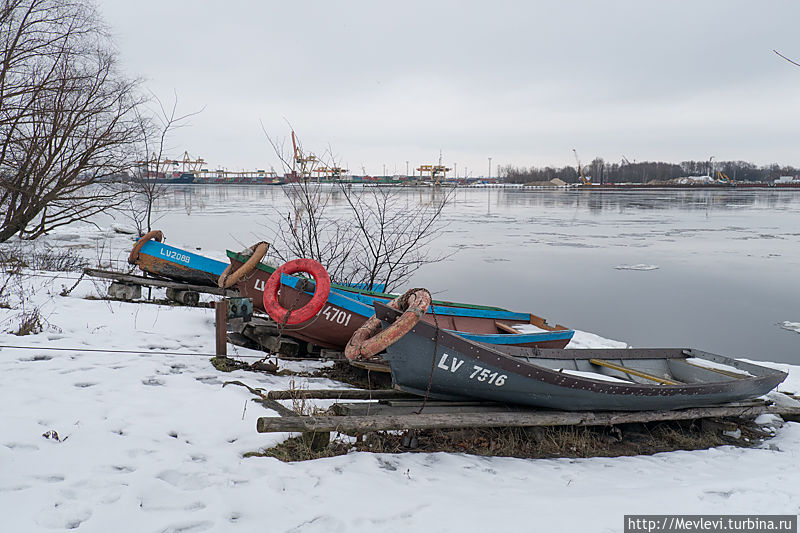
[221, 310]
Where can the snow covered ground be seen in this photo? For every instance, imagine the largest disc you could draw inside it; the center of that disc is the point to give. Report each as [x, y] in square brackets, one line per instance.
[153, 443]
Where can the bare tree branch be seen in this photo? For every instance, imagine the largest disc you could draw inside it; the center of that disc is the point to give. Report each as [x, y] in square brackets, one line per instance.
[787, 59]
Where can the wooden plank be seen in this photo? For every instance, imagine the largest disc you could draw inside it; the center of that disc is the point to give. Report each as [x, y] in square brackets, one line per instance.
[506, 328]
[419, 402]
[154, 282]
[362, 424]
[380, 408]
[372, 366]
[335, 394]
[632, 372]
[279, 408]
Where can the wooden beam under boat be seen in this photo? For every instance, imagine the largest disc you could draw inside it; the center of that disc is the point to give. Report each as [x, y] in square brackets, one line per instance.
[366, 423]
[155, 282]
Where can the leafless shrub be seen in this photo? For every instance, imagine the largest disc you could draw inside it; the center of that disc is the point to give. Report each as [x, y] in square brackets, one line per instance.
[380, 237]
[58, 261]
[144, 188]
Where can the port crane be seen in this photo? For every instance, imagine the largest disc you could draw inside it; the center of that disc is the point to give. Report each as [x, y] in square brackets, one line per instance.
[584, 179]
[156, 166]
[334, 173]
[437, 173]
[306, 163]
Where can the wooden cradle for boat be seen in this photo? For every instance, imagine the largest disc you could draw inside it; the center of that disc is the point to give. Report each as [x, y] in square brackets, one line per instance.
[443, 365]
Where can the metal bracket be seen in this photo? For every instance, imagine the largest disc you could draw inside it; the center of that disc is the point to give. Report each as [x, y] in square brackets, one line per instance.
[240, 308]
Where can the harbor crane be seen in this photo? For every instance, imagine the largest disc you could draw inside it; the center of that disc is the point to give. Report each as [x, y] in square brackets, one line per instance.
[155, 166]
[306, 163]
[437, 172]
[584, 179]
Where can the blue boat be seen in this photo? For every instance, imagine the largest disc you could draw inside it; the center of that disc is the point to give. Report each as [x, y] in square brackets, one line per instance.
[346, 311]
[163, 260]
[348, 306]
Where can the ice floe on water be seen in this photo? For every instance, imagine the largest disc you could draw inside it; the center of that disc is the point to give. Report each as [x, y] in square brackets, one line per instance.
[791, 326]
[640, 266]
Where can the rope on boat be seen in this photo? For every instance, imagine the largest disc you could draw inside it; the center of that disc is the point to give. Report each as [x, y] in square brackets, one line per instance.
[433, 360]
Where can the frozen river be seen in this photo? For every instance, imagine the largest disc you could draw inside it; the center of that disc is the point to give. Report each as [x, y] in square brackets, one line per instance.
[716, 270]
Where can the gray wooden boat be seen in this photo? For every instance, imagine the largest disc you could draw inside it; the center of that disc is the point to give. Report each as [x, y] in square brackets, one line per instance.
[430, 360]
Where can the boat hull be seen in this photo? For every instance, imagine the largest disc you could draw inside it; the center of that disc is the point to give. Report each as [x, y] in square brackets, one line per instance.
[445, 366]
[166, 261]
[346, 311]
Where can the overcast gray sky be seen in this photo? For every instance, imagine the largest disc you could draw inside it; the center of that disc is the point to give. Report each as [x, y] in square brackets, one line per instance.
[523, 82]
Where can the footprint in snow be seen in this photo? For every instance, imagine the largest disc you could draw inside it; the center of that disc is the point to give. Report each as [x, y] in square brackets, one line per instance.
[188, 527]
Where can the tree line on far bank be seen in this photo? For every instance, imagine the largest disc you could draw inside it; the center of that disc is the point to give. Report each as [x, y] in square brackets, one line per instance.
[647, 171]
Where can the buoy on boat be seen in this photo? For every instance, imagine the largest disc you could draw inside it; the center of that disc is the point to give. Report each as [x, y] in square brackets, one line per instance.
[369, 340]
[321, 292]
[228, 279]
[150, 235]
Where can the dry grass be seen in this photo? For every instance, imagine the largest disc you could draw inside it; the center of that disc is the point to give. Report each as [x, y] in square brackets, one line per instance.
[30, 324]
[534, 442]
[56, 260]
[357, 377]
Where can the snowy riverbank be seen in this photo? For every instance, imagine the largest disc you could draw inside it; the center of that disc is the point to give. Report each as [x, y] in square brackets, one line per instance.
[152, 442]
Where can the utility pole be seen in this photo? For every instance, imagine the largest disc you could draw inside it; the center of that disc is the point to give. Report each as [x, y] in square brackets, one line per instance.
[384, 170]
[490, 168]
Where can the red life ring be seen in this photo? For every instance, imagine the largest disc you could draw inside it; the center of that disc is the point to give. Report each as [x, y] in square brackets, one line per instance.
[321, 292]
[369, 340]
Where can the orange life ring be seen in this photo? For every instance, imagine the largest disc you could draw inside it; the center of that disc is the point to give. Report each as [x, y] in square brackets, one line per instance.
[321, 292]
[369, 340]
[134, 255]
[228, 279]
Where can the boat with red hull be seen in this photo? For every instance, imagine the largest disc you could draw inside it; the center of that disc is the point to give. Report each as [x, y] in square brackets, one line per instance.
[348, 308]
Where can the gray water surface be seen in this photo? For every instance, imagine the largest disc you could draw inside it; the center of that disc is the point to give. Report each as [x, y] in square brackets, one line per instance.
[727, 260]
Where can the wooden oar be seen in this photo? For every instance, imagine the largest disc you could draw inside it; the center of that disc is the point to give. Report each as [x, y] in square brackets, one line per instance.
[506, 328]
[632, 372]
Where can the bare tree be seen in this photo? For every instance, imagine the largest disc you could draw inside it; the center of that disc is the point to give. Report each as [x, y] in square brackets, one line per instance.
[145, 187]
[67, 116]
[380, 237]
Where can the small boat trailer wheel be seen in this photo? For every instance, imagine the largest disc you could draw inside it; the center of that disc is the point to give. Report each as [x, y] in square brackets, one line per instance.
[321, 292]
[369, 340]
